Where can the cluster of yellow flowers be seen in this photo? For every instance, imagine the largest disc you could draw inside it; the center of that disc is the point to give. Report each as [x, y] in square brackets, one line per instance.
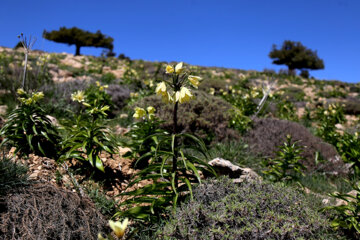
[28, 100]
[183, 94]
[140, 113]
[42, 60]
[101, 87]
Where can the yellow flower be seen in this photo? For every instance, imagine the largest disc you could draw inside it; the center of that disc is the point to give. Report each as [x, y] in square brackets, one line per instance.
[21, 91]
[167, 98]
[139, 113]
[184, 95]
[212, 91]
[179, 68]
[119, 227]
[37, 96]
[78, 96]
[100, 237]
[101, 88]
[97, 83]
[150, 109]
[194, 80]
[161, 89]
[169, 69]
[28, 101]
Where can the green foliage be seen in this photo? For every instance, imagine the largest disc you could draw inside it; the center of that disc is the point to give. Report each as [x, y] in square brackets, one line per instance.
[328, 117]
[206, 116]
[11, 72]
[239, 120]
[28, 128]
[11, 175]
[97, 97]
[105, 205]
[349, 148]
[347, 215]
[87, 137]
[296, 56]
[286, 110]
[286, 166]
[173, 167]
[108, 78]
[249, 210]
[237, 152]
[79, 38]
[169, 186]
[139, 142]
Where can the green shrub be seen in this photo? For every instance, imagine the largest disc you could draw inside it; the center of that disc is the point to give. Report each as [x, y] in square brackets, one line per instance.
[347, 215]
[286, 166]
[29, 130]
[86, 134]
[207, 116]
[11, 175]
[250, 210]
[108, 78]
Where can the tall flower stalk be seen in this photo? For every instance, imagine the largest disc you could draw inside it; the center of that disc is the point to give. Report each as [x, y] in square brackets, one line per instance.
[172, 168]
[27, 44]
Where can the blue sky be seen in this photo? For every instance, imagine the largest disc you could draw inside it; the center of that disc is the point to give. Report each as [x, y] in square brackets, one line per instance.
[236, 34]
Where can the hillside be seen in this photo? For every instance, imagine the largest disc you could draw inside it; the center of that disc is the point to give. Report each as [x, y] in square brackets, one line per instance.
[91, 125]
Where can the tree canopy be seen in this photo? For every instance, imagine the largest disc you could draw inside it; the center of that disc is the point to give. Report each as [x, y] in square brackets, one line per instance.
[296, 56]
[79, 38]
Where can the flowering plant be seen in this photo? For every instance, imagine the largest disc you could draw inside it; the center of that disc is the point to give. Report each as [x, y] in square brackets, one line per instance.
[29, 129]
[173, 167]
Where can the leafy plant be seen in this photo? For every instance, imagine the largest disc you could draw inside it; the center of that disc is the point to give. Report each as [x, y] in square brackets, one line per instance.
[286, 166]
[29, 129]
[139, 142]
[349, 148]
[328, 117]
[87, 135]
[172, 169]
[12, 174]
[286, 110]
[347, 215]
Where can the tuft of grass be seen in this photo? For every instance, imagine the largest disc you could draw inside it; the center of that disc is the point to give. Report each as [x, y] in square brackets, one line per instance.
[11, 175]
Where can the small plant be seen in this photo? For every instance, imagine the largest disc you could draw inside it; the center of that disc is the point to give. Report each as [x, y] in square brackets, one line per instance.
[286, 110]
[11, 175]
[172, 169]
[328, 117]
[87, 135]
[349, 148]
[28, 128]
[347, 215]
[286, 166]
[140, 143]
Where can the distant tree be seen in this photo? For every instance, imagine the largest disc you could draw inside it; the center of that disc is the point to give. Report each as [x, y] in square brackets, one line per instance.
[296, 56]
[80, 38]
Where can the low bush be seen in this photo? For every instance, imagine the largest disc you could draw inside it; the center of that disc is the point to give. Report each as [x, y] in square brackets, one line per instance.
[251, 210]
[267, 134]
[207, 116]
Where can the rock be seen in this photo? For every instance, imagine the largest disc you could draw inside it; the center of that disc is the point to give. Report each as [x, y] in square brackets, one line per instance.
[238, 174]
[343, 202]
[3, 110]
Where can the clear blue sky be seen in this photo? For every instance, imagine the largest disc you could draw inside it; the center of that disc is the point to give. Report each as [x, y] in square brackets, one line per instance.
[236, 34]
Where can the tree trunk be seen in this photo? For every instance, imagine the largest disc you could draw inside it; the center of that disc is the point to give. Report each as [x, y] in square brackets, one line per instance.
[77, 53]
[292, 71]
